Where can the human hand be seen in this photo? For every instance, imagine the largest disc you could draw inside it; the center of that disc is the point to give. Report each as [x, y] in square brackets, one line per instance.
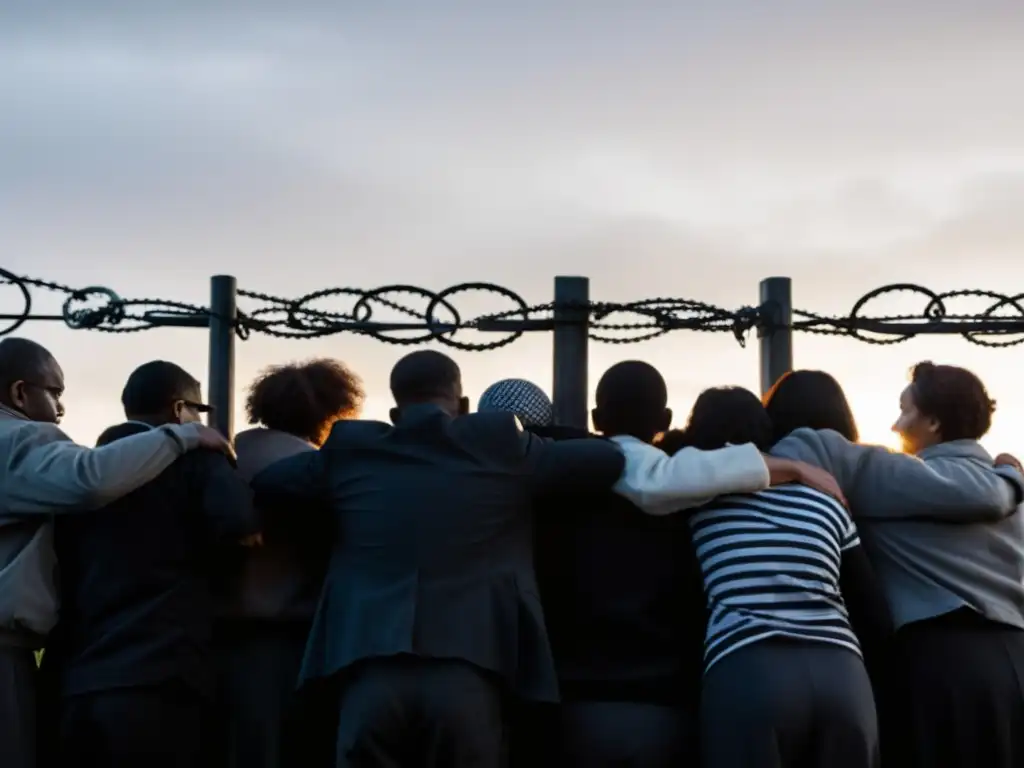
[1009, 460]
[213, 440]
[252, 540]
[781, 471]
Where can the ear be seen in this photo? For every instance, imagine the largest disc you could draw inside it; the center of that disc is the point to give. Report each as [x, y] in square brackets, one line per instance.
[16, 393]
[463, 406]
[177, 410]
[934, 426]
[596, 417]
[395, 414]
[666, 420]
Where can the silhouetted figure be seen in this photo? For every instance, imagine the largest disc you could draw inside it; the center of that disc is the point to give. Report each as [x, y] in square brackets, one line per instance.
[624, 603]
[784, 682]
[134, 658]
[942, 531]
[42, 474]
[429, 611]
[268, 594]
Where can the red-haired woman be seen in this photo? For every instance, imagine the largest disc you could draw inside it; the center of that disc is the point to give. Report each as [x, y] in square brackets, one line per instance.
[270, 593]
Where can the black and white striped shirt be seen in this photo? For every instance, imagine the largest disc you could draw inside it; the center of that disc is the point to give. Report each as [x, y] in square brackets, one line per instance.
[771, 568]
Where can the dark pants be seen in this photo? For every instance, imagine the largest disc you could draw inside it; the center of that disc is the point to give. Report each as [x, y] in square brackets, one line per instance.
[427, 713]
[17, 708]
[957, 699]
[260, 720]
[155, 727]
[597, 734]
[776, 703]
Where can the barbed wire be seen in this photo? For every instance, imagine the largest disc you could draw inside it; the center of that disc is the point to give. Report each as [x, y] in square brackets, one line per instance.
[436, 316]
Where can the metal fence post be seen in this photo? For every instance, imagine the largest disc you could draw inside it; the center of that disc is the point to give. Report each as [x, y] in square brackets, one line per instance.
[572, 321]
[776, 345]
[223, 313]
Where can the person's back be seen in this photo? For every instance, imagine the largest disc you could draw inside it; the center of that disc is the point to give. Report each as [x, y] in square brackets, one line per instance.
[942, 528]
[624, 603]
[429, 614]
[771, 564]
[135, 585]
[267, 595]
[133, 654]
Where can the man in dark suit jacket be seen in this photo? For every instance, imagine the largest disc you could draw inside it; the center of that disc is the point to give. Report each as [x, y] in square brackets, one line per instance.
[430, 611]
[131, 649]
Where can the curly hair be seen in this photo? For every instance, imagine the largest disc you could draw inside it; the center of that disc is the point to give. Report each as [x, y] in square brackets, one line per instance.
[305, 399]
[954, 397]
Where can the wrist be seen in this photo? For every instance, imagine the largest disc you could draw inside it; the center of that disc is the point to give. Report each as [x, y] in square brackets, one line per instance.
[782, 470]
[185, 436]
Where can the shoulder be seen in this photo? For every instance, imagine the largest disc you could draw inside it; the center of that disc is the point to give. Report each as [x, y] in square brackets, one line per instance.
[490, 422]
[25, 435]
[118, 431]
[348, 431]
[560, 433]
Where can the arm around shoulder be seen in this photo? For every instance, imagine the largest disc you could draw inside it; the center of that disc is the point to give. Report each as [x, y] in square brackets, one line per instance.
[583, 465]
[660, 484]
[46, 472]
[947, 489]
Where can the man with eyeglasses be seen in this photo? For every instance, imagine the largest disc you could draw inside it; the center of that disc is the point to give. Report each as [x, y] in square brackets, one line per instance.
[43, 473]
[133, 648]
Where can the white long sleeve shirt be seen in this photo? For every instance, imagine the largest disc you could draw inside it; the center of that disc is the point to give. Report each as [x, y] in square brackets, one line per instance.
[661, 484]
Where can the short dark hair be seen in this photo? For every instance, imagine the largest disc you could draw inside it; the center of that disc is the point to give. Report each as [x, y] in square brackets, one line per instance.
[425, 375]
[22, 360]
[727, 415]
[305, 399]
[810, 399]
[954, 397]
[632, 395]
[153, 386]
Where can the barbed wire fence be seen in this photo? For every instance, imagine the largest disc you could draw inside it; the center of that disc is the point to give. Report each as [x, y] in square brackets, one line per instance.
[573, 319]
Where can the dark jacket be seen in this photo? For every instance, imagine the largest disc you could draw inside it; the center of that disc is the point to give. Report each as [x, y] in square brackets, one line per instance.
[280, 580]
[433, 554]
[623, 598]
[137, 607]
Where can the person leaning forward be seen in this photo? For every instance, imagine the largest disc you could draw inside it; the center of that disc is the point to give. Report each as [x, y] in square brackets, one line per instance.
[430, 612]
[43, 473]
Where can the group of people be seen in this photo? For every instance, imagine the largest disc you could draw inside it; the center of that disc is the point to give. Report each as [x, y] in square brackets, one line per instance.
[462, 590]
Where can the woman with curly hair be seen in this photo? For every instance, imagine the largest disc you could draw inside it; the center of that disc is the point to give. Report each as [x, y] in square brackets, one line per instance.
[269, 593]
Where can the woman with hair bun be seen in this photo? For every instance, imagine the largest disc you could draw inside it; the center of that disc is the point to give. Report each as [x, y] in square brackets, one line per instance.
[941, 528]
[269, 595]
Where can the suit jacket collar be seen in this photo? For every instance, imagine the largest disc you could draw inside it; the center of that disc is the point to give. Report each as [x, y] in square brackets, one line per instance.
[412, 415]
[957, 449]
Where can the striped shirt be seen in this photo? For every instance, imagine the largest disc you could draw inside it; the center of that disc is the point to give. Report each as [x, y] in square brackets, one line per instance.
[770, 562]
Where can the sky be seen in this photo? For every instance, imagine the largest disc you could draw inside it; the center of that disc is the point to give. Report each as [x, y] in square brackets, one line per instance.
[660, 149]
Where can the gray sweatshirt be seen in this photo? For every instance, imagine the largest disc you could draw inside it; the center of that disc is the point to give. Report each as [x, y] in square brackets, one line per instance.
[43, 473]
[941, 529]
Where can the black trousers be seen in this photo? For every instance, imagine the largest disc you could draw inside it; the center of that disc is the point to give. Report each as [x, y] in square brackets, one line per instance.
[599, 734]
[17, 708]
[775, 703]
[420, 713]
[260, 720]
[155, 727]
[957, 695]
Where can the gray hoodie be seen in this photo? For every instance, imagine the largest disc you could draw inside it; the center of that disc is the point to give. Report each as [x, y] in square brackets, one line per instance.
[941, 528]
[43, 473]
